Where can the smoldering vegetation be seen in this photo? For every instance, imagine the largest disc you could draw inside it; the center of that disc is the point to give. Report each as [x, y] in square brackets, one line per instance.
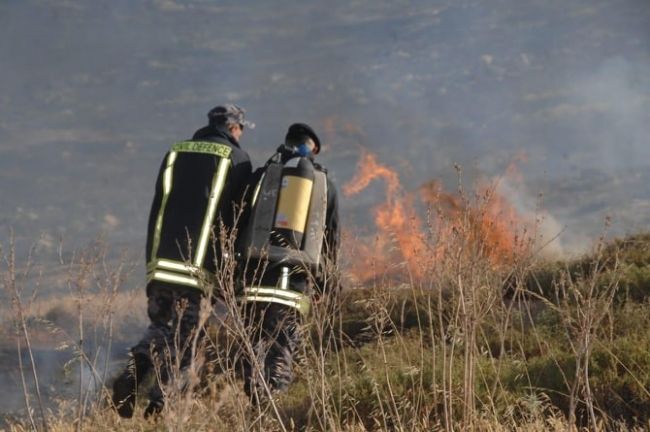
[57, 328]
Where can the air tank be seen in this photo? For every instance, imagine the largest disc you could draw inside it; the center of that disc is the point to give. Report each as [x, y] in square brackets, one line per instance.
[292, 212]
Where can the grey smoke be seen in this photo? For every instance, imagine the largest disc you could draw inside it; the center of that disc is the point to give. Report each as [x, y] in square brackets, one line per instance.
[617, 93]
[93, 93]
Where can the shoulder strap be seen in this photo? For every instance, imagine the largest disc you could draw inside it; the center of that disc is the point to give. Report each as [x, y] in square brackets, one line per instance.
[320, 167]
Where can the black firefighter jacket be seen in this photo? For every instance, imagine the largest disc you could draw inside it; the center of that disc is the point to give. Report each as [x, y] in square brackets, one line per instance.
[200, 185]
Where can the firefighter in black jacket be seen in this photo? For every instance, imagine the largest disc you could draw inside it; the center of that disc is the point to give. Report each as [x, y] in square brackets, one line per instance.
[200, 183]
[292, 275]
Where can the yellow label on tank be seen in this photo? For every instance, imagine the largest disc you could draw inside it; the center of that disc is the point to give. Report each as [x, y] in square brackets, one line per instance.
[293, 207]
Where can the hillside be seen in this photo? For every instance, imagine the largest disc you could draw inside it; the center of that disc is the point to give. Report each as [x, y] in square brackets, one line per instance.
[537, 345]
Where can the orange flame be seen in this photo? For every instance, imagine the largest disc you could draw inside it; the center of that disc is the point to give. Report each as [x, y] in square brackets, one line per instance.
[396, 219]
[490, 224]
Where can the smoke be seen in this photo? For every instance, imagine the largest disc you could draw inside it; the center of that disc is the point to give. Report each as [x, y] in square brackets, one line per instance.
[57, 361]
[94, 93]
[490, 82]
[617, 97]
[58, 376]
[546, 230]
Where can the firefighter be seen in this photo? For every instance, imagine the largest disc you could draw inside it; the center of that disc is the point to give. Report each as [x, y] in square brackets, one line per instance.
[276, 301]
[200, 183]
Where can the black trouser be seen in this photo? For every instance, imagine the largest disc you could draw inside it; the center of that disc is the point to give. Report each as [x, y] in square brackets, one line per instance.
[275, 338]
[174, 315]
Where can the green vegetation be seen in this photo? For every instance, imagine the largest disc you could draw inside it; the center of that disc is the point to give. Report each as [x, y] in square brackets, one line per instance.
[546, 346]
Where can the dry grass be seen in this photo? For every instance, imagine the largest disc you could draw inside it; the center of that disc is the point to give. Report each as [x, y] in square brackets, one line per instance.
[469, 346]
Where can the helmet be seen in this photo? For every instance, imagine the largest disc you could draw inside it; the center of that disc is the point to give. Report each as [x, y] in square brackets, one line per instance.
[299, 131]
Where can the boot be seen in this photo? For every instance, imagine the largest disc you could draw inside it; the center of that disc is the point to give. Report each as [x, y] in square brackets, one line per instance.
[156, 402]
[154, 408]
[124, 389]
[125, 386]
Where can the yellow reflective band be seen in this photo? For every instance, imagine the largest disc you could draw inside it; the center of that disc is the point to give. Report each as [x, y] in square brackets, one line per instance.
[275, 292]
[217, 149]
[176, 266]
[167, 187]
[218, 182]
[170, 277]
[167, 181]
[273, 295]
[293, 304]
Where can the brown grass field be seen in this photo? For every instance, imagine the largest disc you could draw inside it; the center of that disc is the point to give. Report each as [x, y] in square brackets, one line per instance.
[476, 337]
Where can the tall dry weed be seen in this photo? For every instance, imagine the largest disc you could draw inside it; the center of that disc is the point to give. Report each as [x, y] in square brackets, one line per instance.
[453, 350]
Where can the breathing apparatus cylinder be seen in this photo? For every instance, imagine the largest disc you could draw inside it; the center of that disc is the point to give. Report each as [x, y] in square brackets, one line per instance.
[292, 211]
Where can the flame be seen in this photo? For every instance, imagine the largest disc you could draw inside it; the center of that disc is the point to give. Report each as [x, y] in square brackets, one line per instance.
[368, 170]
[397, 221]
[489, 224]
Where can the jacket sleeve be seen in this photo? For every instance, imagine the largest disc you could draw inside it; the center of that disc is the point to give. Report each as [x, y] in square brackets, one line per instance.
[155, 208]
[329, 281]
[332, 232]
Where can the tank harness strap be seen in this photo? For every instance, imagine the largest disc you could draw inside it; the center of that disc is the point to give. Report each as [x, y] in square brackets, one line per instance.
[294, 299]
[257, 189]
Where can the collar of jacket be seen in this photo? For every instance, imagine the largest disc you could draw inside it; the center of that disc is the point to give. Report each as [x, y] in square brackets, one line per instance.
[210, 133]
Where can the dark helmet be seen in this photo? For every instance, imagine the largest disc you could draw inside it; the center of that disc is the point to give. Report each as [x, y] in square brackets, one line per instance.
[299, 131]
